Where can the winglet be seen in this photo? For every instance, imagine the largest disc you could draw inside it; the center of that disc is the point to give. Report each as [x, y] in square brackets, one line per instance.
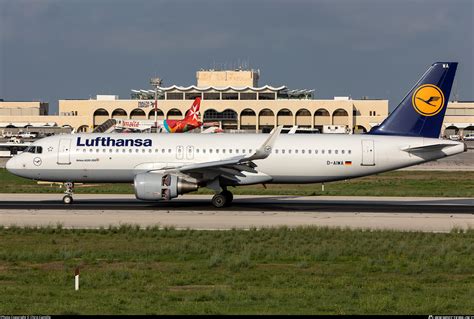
[266, 148]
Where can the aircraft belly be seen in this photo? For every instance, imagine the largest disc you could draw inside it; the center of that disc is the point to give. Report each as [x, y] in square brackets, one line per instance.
[81, 175]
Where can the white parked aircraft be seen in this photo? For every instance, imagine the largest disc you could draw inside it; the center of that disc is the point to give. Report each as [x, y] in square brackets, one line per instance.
[165, 166]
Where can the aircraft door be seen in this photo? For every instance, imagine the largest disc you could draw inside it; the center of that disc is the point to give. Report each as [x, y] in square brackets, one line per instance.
[368, 153]
[189, 152]
[64, 151]
[179, 152]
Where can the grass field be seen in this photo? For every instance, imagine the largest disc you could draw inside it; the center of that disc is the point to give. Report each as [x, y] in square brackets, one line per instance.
[399, 183]
[271, 271]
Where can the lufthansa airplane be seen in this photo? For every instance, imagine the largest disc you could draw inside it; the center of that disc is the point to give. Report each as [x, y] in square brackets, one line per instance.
[162, 167]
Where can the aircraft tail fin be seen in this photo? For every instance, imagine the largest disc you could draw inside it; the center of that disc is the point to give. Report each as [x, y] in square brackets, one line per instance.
[192, 114]
[422, 110]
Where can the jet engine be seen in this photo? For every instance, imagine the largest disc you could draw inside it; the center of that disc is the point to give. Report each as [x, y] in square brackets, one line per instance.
[154, 186]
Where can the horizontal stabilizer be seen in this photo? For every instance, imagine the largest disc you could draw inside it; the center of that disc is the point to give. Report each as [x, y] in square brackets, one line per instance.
[427, 148]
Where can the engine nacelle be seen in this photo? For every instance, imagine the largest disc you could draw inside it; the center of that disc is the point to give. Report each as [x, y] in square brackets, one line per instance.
[154, 186]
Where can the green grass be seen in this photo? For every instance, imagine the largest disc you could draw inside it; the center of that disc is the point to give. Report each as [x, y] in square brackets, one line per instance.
[126, 270]
[398, 183]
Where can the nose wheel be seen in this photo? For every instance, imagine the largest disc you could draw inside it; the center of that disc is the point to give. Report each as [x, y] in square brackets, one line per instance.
[223, 199]
[67, 199]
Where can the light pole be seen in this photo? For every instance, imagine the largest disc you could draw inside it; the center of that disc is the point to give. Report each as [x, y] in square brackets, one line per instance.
[156, 82]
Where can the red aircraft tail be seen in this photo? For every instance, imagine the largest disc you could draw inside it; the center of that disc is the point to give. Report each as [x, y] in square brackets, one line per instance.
[192, 115]
[190, 121]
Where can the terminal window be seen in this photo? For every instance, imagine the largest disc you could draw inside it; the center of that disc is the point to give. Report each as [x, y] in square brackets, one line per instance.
[212, 96]
[174, 96]
[230, 96]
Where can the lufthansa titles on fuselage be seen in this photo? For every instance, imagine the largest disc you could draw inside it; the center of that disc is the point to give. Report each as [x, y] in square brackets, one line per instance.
[112, 142]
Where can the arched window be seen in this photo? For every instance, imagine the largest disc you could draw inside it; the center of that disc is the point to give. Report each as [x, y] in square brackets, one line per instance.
[159, 114]
[119, 113]
[174, 114]
[285, 117]
[303, 118]
[321, 112]
[101, 112]
[137, 113]
[340, 112]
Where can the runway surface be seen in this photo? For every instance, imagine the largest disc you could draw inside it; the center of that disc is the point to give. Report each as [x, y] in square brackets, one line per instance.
[195, 211]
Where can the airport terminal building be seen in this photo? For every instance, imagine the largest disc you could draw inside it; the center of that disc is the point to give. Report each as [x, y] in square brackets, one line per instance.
[231, 98]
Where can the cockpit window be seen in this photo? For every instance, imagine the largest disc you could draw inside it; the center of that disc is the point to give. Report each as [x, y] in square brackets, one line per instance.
[34, 149]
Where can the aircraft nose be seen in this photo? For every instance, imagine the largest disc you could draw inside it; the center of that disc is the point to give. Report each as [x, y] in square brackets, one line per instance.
[10, 166]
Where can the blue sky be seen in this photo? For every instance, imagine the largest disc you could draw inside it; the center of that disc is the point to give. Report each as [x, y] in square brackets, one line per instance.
[52, 50]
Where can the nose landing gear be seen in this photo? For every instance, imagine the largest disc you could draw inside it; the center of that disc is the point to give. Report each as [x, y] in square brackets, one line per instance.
[67, 199]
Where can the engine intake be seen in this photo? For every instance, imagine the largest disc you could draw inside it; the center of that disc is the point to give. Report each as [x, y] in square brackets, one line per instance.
[155, 186]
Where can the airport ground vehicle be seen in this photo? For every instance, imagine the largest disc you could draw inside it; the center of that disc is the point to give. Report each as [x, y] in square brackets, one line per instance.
[163, 166]
[27, 135]
[469, 137]
[454, 137]
[335, 129]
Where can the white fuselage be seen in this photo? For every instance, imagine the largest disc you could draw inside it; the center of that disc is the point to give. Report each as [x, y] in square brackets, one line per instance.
[295, 158]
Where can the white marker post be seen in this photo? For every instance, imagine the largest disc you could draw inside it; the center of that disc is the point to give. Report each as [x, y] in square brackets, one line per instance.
[76, 278]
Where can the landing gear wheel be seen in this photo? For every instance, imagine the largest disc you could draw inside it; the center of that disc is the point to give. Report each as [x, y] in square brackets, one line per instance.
[229, 197]
[67, 199]
[219, 200]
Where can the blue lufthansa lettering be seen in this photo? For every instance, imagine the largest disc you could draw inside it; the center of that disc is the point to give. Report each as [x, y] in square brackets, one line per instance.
[108, 141]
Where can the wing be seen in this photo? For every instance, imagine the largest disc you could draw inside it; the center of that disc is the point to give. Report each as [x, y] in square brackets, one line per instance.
[230, 167]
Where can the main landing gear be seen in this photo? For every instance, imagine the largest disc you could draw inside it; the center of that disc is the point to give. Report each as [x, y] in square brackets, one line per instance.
[223, 199]
[67, 199]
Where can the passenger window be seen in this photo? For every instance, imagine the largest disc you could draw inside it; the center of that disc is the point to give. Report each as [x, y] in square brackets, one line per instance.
[342, 152]
[204, 150]
[124, 150]
[162, 150]
[117, 150]
[230, 150]
[223, 151]
[84, 150]
[349, 151]
[217, 150]
[276, 151]
[329, 151]
[302, 151]
[197, 150]
[283, 151]
[130, 150]
[309, 151]
[335, 151]
[104, 150]
[97, 150]
[315, 151]
[169, 150]
[39, 149]
[322, 151]
[289, 151]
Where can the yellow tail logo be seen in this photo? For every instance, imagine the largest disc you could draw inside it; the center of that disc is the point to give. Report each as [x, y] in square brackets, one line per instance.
[428, 100]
